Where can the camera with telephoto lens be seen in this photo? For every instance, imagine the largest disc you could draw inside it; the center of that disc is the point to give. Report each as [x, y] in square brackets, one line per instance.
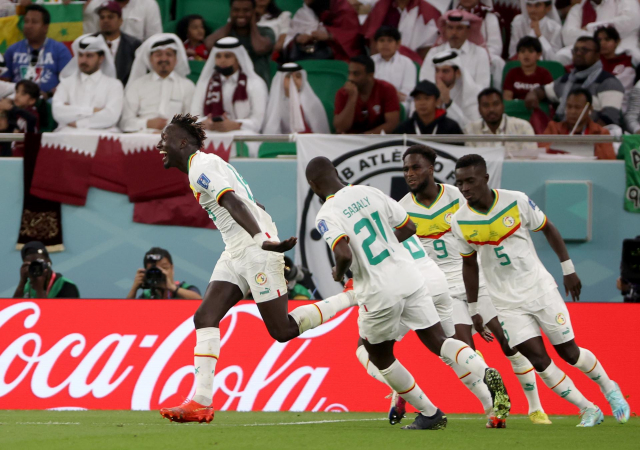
[153, 277]
[37, 268]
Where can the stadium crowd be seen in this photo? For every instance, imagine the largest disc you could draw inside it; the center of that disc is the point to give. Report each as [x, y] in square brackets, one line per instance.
[403, 66]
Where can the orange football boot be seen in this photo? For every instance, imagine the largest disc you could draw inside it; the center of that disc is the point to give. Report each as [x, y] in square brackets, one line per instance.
[189, 411]
[348, 286]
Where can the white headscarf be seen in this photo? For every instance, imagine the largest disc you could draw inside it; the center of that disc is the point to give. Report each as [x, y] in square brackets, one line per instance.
[281, 109]
[90, 43]
[552, 14]
[468, 87]
[304, 21]
[227, 44]
[142, 64]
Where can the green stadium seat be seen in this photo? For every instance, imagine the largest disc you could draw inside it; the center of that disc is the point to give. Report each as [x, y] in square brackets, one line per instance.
[196, 69]
[214, 11]
[165, 10]
[516, 108]
[403, 113]
[326, 77]
[274, 149]
[555, 68]
[290, 5]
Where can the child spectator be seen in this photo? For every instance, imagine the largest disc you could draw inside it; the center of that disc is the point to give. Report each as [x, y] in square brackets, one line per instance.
[391, 66]
[615, 61]
[538, 19]
[192, 30]
[520, 80]
[21, 114]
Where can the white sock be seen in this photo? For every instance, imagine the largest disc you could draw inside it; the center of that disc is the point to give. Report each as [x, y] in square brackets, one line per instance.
[315, 314]
[475, 384]
[455, 351]
[527, 378]
[371, 369]
[592, 368]
[404, 384]
[205, 357]
[562, 385]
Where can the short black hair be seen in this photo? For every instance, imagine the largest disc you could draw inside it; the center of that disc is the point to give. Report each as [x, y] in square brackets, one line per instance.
[253, 2]
[581, 91]
[489, 91]
[590, 39]
[387, 31]
[420, 149]
[609, 30]
[471, 160]
[190, 124]
[183, 26]
[29, 88]
[529, 43]
[46, 17]
[366, 61]
[160, 252]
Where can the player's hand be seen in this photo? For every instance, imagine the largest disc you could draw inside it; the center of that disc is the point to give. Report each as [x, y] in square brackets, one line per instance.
[280, 247]
[335, 275]
[573, 285]
[479, 327]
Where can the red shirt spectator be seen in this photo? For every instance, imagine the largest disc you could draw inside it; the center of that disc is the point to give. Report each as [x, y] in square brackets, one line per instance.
[369, 113]
[520, 84]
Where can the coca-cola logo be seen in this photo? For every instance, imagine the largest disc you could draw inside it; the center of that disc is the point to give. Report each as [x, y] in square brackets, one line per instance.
[101, 370]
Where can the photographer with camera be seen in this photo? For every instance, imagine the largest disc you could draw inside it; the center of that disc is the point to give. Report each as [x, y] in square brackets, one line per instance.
[37, 278]
[299, 283]
[156, 279]
[629, 281]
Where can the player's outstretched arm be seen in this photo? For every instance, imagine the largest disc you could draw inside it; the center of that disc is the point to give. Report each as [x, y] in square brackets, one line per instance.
[405, 232]
[572, 283]
[343, 255]
[471, 277]
[243, 217]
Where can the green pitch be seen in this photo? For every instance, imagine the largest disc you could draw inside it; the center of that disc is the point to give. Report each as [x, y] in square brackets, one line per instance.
[297, 431]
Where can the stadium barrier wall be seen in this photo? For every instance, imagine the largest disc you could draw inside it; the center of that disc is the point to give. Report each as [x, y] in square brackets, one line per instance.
[130, 354]
[104, 247]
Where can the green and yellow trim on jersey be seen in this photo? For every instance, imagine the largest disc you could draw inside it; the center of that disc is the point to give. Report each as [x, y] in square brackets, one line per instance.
[196, 194]
[438, 197]
[404, 222]
[544, 224]
[434, 226]
[492, 231]
[190, 158]
[466, 255]
[495, 202]
[336, 240]
[222, 192]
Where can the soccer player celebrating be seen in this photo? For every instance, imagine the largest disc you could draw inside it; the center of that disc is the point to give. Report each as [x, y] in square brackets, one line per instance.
[495, 224]
[252, 260]
[364, 228]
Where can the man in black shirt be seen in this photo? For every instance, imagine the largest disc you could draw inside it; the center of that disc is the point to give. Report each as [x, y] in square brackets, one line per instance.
[37, 278]
[427, 118]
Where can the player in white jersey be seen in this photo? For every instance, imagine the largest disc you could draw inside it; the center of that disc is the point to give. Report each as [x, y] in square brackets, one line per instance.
[252, 260]
[494, 225]
[364, 228]
[431, 206]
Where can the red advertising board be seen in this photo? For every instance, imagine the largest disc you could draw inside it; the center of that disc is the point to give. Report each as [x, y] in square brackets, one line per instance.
[137, 354]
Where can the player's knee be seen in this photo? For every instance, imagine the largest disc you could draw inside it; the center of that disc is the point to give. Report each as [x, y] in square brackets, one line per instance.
[281, 335]
[202, 319]
[570, 355]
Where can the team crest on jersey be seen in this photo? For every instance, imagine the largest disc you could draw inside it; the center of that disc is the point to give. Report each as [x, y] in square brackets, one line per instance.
[204, 181]
[261, 278]
[560, 319]
[508, 221]
[322, 227]
[447, 218]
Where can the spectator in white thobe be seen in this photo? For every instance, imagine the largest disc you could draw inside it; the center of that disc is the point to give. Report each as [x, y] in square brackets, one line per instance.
[89, 95]
[538, 19]
[158, 87]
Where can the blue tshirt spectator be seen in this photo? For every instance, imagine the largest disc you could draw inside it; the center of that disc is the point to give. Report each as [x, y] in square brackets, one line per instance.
[37, 58]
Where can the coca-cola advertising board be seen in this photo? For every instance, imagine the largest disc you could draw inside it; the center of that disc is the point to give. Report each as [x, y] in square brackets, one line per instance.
[137, 354]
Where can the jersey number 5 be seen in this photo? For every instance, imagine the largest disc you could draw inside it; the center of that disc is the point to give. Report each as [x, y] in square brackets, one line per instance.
[366, 244]
[506, 261]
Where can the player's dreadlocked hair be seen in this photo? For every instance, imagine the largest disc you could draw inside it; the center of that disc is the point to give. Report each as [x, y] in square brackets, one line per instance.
[191, 125]
[419, 149]
[471, 160]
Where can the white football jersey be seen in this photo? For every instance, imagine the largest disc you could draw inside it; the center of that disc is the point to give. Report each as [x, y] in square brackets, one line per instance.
[512, 270]
[383, 271]
[210, 177]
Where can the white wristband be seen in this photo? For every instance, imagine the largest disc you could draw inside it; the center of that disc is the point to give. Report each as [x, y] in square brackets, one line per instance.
[260, 238]
[567, 267]
[473, 309]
